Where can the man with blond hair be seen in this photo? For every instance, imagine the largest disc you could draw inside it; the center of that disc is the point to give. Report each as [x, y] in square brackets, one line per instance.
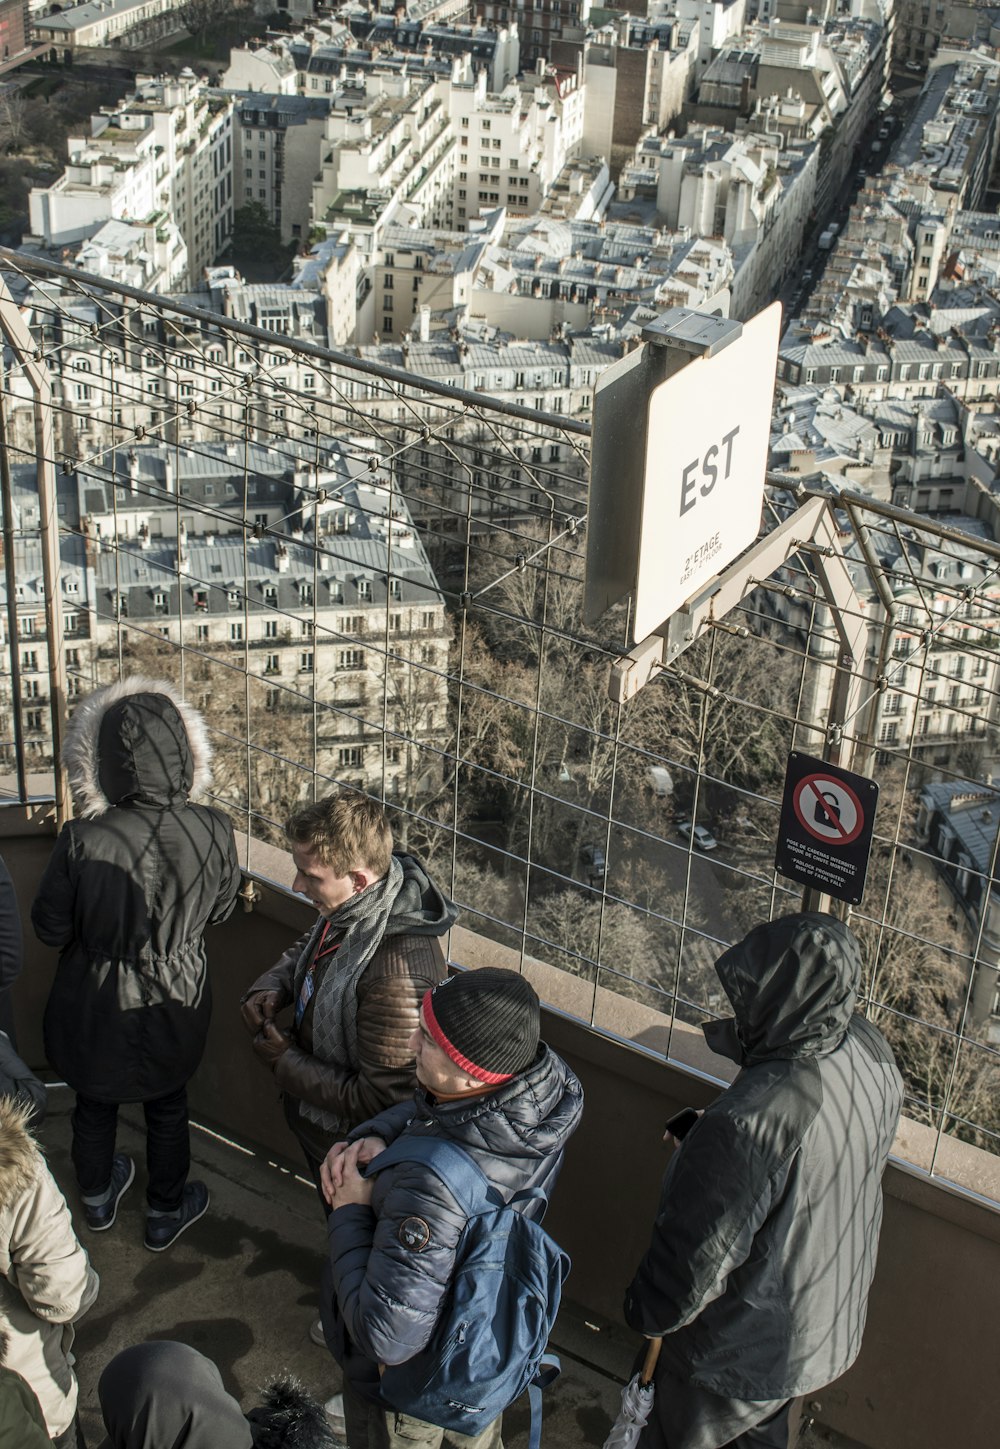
[355, 980]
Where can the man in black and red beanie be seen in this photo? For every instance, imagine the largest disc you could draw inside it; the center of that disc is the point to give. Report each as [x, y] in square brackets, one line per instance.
[488, 1084]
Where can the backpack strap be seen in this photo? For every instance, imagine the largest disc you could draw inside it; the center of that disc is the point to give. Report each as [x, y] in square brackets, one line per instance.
[548, 1371]
[464, 1179]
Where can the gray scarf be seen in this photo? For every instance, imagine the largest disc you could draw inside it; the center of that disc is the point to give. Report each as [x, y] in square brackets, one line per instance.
[363, 920]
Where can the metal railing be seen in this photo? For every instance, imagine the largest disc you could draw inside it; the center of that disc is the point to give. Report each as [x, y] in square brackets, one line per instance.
[366, 576]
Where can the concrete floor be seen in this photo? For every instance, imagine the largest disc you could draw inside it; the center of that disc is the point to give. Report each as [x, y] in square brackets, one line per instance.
[241, 1286]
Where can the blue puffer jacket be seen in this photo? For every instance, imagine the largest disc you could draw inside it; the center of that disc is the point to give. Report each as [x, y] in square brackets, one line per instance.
[391, 1263]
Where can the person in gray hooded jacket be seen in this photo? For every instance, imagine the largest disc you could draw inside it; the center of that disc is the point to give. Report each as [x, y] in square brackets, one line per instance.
[764, 1246]
[128, 892]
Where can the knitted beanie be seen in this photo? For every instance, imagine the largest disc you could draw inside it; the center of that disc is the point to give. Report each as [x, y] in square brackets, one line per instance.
[486, 1021]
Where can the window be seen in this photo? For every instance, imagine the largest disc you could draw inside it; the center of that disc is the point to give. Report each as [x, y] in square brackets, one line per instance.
[393, 755]
[273, 665]
[270, 628]
[73, 660]
[307, 628]
[34, 719]
[71, 623]
[364, 589]
[160, 601]
[306, 661]
[201, 633]
[352, 758]
[351, 659]
[235, 633]
[353, 624]
[25, 627]
[427, 619]
[233, 597]
[305, 594]
[882, 375]
[396, 623]
[29, 661]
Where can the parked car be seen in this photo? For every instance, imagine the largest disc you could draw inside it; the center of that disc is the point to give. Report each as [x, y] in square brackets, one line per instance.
[703, 839]
[592, 860]
[659, 780]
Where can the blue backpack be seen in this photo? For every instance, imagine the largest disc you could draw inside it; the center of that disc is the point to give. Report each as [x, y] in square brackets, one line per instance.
[488, 1345]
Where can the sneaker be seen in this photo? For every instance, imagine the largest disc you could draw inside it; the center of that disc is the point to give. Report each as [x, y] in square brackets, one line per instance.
[334, 1409]
[101, 1209]
[162, 1229]
[316, 1334]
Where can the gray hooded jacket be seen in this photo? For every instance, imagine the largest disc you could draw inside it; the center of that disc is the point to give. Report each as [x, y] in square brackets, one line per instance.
[764, 1247]
[128, 893]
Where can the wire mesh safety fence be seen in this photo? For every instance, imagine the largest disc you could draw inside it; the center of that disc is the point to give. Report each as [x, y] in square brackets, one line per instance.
[363, 576]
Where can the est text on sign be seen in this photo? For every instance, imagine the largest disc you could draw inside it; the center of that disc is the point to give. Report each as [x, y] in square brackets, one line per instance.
[706, 456]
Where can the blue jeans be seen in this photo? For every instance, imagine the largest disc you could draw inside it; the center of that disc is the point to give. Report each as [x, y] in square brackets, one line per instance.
[168, 1147]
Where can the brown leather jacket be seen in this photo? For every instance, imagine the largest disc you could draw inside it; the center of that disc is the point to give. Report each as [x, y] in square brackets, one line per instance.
[390, 991]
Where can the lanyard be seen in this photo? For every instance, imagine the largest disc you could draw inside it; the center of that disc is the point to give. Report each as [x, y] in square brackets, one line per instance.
[308, 987]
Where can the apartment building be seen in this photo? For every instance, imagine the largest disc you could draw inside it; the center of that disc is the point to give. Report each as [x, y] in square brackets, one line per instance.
[278, 143]
[931, 671]
[98, 24]
[512, 146]
[637, 73]
[336, 615]
[754, 194]
[174, 379]
[460, 471]
[951, 138]
[540, 25]
[166, 147]
[388, 142]
[958, 824]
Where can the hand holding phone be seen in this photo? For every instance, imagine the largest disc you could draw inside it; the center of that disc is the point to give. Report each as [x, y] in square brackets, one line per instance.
[680, 1124]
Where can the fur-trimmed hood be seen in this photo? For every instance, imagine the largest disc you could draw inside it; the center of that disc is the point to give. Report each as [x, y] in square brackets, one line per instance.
[138, 742]
[19, 1157]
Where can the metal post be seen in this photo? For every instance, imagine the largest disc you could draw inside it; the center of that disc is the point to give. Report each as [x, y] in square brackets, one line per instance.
[14, 328]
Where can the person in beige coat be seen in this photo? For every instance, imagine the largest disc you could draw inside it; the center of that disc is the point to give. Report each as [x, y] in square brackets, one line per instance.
[46, 1281]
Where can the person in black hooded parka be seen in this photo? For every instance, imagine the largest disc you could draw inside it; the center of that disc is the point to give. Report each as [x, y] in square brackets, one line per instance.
[126, 896]
[764, 1246]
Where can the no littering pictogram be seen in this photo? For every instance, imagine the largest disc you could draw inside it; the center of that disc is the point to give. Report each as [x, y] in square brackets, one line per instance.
[828, 809]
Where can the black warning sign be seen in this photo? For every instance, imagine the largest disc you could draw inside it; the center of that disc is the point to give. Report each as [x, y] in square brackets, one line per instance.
[825, 834]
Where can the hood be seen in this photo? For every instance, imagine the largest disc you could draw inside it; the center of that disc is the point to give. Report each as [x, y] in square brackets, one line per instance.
[792, 984]
[164, 1393]
[135, 742]
[18, 1153]
[527, 1119]
[421, 908]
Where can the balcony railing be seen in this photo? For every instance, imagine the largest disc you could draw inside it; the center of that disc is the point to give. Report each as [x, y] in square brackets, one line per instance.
[515, 757]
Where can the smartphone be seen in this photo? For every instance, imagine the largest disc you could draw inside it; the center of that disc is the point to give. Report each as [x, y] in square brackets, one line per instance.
[680, 1124]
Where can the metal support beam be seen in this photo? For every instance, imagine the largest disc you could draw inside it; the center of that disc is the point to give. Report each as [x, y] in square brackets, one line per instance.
[811, 529]
[14, 330]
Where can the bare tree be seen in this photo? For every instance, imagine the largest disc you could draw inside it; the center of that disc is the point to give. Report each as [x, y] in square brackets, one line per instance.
[14, 109]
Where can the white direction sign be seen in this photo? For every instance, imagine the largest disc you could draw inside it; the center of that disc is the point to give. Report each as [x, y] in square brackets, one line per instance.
[706, 456]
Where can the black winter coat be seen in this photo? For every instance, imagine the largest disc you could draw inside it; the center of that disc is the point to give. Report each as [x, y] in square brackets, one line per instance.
[764, 1247]
[388, 1295]
[127, 895]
